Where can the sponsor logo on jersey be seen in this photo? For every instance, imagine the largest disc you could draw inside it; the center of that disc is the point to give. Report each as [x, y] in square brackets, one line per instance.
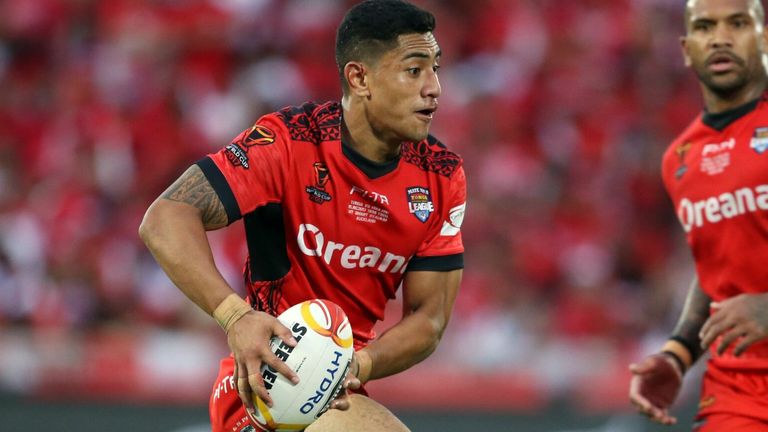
[258, 135]
[681, 151]
[317, 192]
[237, 156]
[716, 157]
[694, 214]
[312, 242]
[759, 142]
[419, 202]
[452, 226]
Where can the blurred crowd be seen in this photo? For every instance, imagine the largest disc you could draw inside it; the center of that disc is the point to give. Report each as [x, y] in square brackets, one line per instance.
[561, 110]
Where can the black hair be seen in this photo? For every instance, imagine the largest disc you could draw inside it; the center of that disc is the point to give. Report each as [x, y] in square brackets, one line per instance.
[372, 27]
[756, 4]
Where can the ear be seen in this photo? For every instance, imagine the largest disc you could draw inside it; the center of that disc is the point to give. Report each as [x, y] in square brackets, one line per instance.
[357, 76]
[684, 50]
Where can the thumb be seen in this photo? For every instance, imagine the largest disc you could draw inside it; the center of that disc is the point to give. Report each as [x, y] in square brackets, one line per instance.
[644, 366]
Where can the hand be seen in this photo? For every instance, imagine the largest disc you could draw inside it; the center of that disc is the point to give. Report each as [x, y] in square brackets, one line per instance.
[655, 384]
[744, 316]
[249, 340]
[351, 382]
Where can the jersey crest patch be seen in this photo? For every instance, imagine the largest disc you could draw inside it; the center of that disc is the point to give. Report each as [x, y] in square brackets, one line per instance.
[420, 202]
[759, 142]
[317, 192]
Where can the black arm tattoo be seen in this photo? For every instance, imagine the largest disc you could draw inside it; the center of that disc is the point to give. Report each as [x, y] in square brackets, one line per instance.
[193, 188]
[695, 313]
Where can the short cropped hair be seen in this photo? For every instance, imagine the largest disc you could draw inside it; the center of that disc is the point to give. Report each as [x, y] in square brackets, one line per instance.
[372, 27]
[757, 5]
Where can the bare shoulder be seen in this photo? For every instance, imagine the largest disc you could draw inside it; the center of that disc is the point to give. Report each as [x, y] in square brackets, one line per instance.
[364, 413]
[193, 188]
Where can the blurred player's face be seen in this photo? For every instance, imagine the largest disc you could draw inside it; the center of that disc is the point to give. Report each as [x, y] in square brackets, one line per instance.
[724, 44]
[404, 88]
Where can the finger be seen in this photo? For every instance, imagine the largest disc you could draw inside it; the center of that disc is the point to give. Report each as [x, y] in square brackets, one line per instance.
[706, 328]
[341, 403]
[666, 419]
[729, 337]
[278, 365]
[715, 329]
[637, 398]
[256, 383]
[281, 331]
[352, 382]
[745, 343]
[243, 389]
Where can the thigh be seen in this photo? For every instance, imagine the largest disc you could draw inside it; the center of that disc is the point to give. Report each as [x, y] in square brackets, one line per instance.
[364, 414]
[719, 422]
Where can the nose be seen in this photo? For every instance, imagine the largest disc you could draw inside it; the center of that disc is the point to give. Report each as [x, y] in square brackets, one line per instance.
[432, 87]
[721, 37]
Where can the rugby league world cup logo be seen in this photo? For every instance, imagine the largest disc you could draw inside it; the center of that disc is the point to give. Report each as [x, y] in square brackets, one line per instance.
[317, 193]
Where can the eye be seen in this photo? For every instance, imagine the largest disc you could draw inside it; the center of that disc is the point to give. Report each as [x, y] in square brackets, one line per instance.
[435, 68]
[739, 23]
[414, 71]
[702, 25]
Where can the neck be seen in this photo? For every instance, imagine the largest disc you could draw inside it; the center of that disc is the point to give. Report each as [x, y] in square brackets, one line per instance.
[718, 102]
[358, 133]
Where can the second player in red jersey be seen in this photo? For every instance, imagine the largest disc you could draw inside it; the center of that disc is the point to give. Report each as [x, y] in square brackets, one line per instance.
[716, 173]
[349, 201]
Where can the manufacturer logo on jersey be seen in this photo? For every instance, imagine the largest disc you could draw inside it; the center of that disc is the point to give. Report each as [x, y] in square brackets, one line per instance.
[317, 193]
[237, 156]
[716, 157]
[258, 135]
[759, 142]
[681, 151]
[419, 202]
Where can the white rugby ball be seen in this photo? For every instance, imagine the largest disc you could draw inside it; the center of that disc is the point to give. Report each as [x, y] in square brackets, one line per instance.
[320, 359]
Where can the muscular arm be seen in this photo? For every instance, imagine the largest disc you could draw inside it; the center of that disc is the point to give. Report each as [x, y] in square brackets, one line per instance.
[174, 231]
[692, 318]
[428, 298]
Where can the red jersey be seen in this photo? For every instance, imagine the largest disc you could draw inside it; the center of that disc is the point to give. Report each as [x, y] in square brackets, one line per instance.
[716, 173]
[321, 221]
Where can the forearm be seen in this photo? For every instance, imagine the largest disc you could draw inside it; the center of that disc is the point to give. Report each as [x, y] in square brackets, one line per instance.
[692, 318]
[175, 235]
[407, 343]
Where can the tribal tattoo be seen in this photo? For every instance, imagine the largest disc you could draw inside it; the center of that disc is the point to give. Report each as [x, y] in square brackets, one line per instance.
[193, 188]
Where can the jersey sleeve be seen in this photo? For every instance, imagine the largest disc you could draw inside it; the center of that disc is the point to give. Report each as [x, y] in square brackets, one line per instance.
[250, 172]
[444, 249]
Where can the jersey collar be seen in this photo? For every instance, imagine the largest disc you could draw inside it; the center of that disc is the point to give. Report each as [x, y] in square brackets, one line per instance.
[370, 168]
[721, 120]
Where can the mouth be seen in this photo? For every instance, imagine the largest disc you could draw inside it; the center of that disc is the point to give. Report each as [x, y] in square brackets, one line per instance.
[721, 62]
[427, 113]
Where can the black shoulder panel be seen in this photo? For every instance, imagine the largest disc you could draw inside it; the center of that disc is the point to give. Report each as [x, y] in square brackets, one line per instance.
[432, 156]
[312, 122]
